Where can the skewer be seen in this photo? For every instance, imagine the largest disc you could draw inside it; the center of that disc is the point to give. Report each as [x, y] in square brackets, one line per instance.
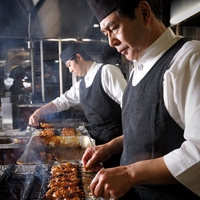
[82, 185]
[85, 187]
[86, 195]
[87, 182]
[86, 179]
[86, 190]
[87, 172]
[82, 174]
[85, 175]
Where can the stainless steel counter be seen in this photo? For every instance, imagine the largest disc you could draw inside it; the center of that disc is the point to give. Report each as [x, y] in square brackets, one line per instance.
[34, 105]
[12, 139]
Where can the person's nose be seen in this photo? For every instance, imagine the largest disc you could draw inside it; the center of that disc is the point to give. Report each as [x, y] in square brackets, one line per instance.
[113, 41]
[70, 70]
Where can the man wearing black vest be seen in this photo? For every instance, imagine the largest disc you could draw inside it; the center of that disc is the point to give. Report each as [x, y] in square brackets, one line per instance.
[99, 92]
[160, 114]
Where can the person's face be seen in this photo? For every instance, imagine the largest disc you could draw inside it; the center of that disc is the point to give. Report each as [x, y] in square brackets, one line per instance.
[75, 67]
[128, 36]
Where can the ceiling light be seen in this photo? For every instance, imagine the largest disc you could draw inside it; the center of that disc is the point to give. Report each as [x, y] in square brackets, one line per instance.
[96, 25]
[184, 15]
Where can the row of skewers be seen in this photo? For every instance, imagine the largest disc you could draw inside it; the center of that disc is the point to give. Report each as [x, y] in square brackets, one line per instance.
[50, 131]
[68, 182]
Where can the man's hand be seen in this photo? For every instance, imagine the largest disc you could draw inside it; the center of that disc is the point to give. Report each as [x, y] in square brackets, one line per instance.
[46, 109]
[94, 156]
[111, 183]
[34, 119]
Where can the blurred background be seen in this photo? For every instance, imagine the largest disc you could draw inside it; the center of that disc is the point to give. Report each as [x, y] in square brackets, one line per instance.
[34, 32]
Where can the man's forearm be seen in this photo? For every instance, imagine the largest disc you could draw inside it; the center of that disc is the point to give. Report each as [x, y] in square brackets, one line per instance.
[115, 146]
[47, 109]
[150, 172]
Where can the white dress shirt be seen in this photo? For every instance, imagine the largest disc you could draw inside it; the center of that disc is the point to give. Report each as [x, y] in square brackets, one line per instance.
[112, 80]
[181, 88]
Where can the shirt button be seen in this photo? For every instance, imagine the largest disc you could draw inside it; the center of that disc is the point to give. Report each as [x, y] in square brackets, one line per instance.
[140, 67]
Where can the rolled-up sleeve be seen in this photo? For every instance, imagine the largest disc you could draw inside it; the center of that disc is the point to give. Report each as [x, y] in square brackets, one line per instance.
[69, 98]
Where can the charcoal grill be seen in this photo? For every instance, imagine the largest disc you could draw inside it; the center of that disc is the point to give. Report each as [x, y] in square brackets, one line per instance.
[28, 184]
[27, 180]
[17, 187]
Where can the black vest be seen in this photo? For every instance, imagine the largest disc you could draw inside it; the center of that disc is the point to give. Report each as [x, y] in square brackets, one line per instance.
[102, 112]
[149, 131]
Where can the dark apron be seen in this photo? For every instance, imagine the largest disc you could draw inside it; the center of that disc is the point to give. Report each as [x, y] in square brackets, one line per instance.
[149, 131]
[103, 115]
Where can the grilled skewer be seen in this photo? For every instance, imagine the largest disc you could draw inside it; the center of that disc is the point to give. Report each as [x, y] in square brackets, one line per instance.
[61, 193]
[67, 182]
[45, 125]
[68, 131]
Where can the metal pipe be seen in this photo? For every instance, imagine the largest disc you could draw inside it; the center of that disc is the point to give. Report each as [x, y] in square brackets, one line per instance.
[29, 25]
[60, 66]
[32, 53]
[42, 70]
[33, 71]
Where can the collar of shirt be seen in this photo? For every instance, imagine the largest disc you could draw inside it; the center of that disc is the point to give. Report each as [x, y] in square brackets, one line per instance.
[89, 77]
[149, 57]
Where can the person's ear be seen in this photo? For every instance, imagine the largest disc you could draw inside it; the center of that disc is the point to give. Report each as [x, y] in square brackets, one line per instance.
[79, 57]
[145, 12]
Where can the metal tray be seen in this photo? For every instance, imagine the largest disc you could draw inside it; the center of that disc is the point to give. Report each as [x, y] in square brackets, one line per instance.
[79, 130]
[65, 147]
[57, 131]
[72, 123]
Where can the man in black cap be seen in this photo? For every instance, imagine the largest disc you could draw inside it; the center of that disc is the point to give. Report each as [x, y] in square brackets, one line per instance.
[160, 113]
[99, 92]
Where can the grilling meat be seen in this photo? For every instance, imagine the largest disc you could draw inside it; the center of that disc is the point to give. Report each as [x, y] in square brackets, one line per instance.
[57, 193]
[48, 131]
[64, 183]
[45, 125]
[68, 131]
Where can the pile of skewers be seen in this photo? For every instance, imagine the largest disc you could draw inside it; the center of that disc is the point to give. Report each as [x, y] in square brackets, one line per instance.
[68, 131]
[50, 131]
[68, 182]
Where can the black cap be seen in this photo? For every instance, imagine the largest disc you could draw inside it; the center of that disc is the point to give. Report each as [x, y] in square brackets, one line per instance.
[16, 72]
[71, 50]
[102, 8]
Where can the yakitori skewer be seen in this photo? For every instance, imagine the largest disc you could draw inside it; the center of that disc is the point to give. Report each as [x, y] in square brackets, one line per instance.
[86, 195]
[69, 181]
